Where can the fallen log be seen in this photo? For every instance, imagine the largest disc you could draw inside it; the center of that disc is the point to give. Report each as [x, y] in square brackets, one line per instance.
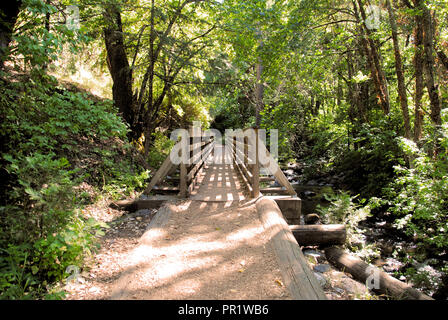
[297, 275]
[313, 235]
[377, 280]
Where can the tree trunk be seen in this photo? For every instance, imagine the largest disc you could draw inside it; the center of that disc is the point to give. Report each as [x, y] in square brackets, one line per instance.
[363, 272]
[259, 86]
[9, 10]
[443, 58]
[429, 62]
[374, 61]
[419, 83]
[118, 64]
[259, 94]
[312, 235]
[400, 74]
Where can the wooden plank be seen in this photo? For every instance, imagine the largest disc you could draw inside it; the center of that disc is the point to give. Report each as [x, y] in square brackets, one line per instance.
[198, 165]
[198, 170]
[276, 190]
[362, 271]
[256, 169]
[165, 190]
[266, 179]
[133, 205]
[183, 181]
[313, 235]
[297, 275]
[277, 172]
[167, 165]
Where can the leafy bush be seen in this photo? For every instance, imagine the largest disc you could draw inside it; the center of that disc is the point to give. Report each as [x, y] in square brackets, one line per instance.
[419, 198]
[53, 140]
[368, 168]
[160, 150]
[344, 210]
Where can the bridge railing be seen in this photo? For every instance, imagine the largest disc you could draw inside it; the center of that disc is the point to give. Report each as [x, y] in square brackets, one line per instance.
[199, 149]
[249, 154]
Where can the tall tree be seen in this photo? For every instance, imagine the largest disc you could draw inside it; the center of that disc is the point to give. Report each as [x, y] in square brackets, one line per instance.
[400, 73]
[117, 62]
[9, 11]
[373, 58]
[418, 72]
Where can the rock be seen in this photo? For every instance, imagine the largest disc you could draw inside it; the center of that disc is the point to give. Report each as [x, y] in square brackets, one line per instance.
[143, 212]
[312, 183]
[309, 194]
[387, 248]
[353, 286]
[321, 268]
[312, 219]
[379, 262]
[392, 265]
[338, 290]
[321, 279]
[319, 257]
[289, 172]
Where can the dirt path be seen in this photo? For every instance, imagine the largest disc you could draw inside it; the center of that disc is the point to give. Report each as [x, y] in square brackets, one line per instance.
[213, 246]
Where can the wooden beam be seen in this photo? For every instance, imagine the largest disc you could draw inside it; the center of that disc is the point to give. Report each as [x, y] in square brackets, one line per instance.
[167, 165]
[135, 205]
[165, 190]
[364, 272]
[277, 172]
[297, 275]
[183, 181]
[256, 168]
[278, 190]
[313, 235]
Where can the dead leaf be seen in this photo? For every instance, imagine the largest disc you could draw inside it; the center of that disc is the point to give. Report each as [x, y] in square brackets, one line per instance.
[279, 282]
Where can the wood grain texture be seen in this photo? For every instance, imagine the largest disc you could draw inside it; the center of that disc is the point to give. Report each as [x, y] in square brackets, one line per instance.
[361, 271]
[312, 235]
[297, 275]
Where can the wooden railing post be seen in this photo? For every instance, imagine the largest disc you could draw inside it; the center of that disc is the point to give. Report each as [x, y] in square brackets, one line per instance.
[256, 169]
[234, 149]
[246, 151]
[183, 181]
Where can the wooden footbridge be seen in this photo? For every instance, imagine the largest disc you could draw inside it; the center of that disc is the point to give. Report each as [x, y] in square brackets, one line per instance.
[223, 185]
[238, 169]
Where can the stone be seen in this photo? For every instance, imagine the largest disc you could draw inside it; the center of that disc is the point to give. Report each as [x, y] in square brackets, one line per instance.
[320, 278]
[143, 197]
[353, 286]
[143, 212]
[309, 194]
[318, 256]
[339, 290]
[312, 219]
[321, 268]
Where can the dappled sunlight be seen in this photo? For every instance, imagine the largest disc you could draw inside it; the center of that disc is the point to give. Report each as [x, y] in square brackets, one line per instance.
[207, 250]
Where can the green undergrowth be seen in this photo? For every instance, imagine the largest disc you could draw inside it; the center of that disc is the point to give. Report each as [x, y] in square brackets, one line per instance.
[55, 140]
